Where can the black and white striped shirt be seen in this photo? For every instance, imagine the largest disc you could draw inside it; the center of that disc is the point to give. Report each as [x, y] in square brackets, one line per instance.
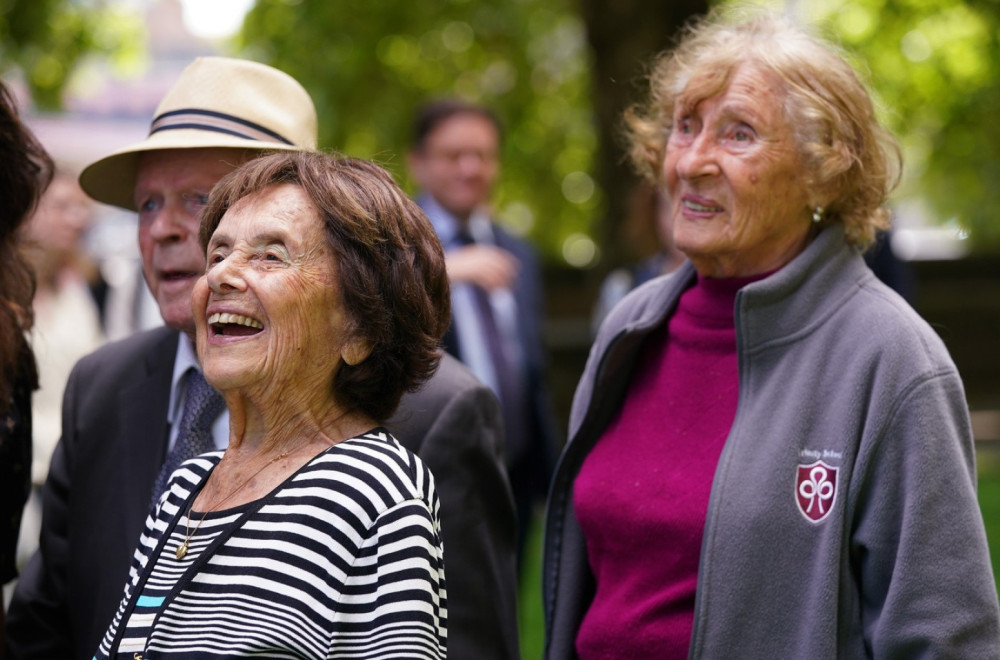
[344, 559]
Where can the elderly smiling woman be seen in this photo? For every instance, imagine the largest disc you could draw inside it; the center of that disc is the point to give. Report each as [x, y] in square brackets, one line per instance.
[315, 535]
[770, 453]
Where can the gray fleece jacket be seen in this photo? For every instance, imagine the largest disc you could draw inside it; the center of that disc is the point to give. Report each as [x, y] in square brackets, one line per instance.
[843, 520]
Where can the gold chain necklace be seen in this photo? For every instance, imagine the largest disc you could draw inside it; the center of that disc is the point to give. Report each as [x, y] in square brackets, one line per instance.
[182, 549]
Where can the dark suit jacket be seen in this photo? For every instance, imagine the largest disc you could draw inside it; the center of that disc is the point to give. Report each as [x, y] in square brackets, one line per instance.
[114, 439]
[529, 300]
[538, 449]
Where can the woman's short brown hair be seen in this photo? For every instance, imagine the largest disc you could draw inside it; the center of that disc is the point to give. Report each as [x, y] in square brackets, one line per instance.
[390, 267]
[850, 160]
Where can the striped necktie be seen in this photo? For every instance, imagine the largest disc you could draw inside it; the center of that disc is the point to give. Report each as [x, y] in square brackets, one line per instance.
[202, 405]
[511, 387]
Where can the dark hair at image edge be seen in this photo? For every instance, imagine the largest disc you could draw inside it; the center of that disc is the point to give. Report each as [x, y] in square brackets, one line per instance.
[25, 171]
[390, 267]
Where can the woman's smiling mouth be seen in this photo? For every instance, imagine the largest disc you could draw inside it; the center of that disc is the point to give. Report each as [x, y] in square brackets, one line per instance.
[700, 206]
[233, 325]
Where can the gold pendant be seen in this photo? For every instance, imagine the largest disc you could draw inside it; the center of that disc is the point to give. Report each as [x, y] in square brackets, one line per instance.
[182, 550]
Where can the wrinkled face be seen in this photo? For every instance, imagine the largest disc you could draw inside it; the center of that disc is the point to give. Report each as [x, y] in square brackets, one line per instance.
[171, 187]
[268, 309]
[733, 171]
[459, 163]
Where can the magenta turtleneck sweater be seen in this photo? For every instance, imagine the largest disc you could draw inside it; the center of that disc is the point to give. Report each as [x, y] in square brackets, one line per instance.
[642, 493]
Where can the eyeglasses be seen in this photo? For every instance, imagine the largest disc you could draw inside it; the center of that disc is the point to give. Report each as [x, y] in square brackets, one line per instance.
[454, 156]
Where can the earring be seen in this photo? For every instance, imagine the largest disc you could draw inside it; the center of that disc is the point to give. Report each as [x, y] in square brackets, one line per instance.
[818, 214]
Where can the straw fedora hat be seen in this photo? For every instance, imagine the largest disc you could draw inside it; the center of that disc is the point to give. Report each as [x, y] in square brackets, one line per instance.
[216, 102]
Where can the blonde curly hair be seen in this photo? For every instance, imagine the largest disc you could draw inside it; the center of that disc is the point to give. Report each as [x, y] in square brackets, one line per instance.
[851, 162]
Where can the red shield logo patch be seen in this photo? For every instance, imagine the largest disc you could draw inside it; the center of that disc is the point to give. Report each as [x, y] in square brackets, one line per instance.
[816, 490]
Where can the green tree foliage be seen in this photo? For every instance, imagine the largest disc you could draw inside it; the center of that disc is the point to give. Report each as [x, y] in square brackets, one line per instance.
[935, 64]
[368, 64]
[46, 39]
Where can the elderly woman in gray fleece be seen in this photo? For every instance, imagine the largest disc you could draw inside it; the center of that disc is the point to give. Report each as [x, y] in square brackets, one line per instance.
[770, 453]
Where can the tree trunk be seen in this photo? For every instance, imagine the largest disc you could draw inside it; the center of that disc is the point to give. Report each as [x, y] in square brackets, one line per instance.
[624, 36]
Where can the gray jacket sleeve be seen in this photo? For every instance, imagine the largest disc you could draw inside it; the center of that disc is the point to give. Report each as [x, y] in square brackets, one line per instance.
[920, 598]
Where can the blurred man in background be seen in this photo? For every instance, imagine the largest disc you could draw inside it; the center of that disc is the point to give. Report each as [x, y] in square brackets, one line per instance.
[496, 286]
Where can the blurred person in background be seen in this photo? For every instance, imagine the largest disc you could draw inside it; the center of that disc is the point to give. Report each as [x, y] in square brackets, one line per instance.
[650, 224]
[25, 170]
[131, 414]
[127, 306]
[67, 322]
[496, 286]
[895, 272]
[770, 453]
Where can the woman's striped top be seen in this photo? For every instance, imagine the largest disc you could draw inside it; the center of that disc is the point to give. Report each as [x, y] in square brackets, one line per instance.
[344, 559]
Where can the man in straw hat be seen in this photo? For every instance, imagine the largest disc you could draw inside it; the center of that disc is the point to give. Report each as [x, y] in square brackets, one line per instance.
[135, 408]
